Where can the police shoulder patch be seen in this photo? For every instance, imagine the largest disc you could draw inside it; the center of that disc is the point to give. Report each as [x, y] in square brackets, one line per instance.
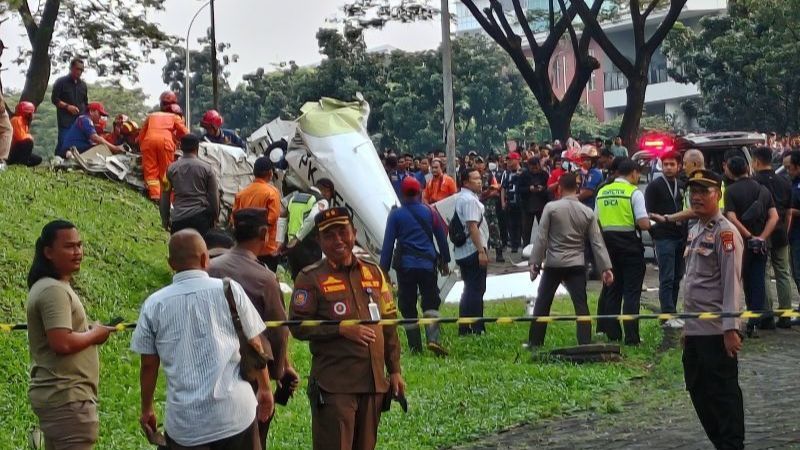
[300, 298]
[728, 241]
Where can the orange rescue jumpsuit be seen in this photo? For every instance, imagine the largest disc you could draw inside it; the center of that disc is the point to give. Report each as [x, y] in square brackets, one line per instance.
[157, 141]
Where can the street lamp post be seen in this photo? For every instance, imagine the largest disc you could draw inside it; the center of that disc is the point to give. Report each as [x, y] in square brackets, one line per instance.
[187, 84]
[447, 87]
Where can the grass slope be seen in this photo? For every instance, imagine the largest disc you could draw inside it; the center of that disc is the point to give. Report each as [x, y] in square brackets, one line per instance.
[487, 383]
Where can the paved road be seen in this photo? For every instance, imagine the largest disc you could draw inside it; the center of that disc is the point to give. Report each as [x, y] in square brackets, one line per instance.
[769, 374]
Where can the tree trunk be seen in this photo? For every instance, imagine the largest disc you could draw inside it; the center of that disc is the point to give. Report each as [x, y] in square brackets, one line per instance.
[632, 118]
[38, 75]
[560, 123]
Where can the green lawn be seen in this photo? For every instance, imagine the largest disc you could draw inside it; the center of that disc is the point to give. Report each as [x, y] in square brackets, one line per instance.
[487, 384]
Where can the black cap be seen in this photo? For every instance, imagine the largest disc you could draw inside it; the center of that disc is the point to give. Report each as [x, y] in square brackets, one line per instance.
[190, 143]
[250, 217]
[705, 178]
[263, 164]
[331, 217]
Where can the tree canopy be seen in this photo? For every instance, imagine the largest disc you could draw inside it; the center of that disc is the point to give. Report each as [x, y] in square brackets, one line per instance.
[744, 64]
[114, 36]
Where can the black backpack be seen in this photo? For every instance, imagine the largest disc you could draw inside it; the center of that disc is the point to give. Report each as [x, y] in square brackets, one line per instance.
[456, 231]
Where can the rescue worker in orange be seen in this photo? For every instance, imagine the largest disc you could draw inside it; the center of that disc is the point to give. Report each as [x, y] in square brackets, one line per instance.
[21, 138]
[263, 195]
[158, 140]
[348, 387]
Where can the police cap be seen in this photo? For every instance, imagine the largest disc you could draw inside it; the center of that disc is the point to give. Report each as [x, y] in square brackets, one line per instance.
[705, 178]
[333, 216]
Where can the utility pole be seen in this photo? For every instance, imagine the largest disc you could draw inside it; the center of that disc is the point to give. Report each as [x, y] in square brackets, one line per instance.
[214, 63]
[447, 78]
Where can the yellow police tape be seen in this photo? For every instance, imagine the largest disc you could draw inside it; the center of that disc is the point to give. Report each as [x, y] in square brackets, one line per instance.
[786, 313]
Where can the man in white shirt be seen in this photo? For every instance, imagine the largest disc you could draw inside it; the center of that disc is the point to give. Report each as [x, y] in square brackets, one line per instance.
[187, 328]
[471, 257]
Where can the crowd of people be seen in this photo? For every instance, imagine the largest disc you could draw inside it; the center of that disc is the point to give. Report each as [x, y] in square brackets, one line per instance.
[580, 207]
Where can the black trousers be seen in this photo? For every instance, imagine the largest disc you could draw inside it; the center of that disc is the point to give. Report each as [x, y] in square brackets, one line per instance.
[712, 379]
[22, 153]
[502, 226]
[471, 304]
[270, 261]
[246, 440]
[628, 271]
[574, 279]
[409, 283]
[514, 225]
[199, 222]
[528, 218]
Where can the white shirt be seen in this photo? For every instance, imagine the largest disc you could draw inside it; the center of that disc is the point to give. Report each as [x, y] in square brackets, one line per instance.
[469, 209]
[188, 325]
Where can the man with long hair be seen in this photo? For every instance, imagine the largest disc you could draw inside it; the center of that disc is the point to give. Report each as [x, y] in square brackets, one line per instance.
[63, 345]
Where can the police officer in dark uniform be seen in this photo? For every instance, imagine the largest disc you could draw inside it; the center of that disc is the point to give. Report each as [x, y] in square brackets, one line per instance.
[713, 283]
[348, 387]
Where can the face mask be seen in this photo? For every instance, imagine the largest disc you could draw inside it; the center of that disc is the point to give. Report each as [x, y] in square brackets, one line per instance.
[492, 166]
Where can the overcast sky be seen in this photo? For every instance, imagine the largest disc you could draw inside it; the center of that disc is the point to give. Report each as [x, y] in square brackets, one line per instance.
[261, 32]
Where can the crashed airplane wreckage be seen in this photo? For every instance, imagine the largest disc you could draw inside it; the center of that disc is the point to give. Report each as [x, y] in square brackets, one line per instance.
[328, 140]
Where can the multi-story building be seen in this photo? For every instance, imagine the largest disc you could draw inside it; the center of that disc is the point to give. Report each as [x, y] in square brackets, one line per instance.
[605, 92]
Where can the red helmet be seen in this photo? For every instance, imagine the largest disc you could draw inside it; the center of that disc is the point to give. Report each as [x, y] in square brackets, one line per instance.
[167, 98]
[25, 108]
[212, 118]
[174, 109]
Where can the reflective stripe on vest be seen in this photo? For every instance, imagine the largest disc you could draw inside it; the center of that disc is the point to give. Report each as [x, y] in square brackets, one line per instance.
[614, 207]
[299, 208]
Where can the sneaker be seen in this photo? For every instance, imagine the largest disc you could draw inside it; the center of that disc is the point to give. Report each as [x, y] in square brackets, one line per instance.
[784, 322]
[437, 349]
[3, 166]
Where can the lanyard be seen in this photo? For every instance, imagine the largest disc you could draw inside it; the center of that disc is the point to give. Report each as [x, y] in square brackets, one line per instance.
[673, 192]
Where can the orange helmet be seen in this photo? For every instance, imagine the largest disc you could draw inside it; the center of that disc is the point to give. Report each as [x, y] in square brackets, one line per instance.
[25, 108]
[129, 127]
[212, 118]
[174, 109]
[167, 98]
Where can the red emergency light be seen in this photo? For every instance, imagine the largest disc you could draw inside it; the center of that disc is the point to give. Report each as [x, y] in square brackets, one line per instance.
[656, 144]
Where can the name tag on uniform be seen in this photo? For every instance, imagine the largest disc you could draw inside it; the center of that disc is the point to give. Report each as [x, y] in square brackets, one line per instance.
[374, 310]
[332, 284]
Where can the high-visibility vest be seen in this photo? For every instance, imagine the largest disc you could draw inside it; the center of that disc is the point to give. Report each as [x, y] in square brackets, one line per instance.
[299, 208]
[614, 207]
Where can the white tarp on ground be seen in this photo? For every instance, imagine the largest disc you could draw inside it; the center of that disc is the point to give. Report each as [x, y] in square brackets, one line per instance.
[501, 287]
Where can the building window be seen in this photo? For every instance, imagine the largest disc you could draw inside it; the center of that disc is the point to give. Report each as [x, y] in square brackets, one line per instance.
[592, 81]
[559, 73]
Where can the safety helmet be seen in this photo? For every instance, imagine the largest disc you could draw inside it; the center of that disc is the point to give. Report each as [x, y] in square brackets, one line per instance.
[588, 151]
[212, 118]
[120, 119]
[129, 127]
[167, 98]
[174, 108]
[25, 108]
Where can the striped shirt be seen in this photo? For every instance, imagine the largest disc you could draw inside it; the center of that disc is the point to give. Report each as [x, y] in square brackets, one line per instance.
[188, 325]
[469, 209]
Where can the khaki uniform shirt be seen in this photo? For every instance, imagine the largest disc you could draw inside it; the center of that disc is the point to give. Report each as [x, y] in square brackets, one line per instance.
[713, 281]
[196, 189]
[263, 290]
[566, 226]
[58, 379]
[325, 292]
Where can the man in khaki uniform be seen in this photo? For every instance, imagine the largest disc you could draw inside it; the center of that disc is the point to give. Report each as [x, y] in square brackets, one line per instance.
[348, 387]
[713, 283]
